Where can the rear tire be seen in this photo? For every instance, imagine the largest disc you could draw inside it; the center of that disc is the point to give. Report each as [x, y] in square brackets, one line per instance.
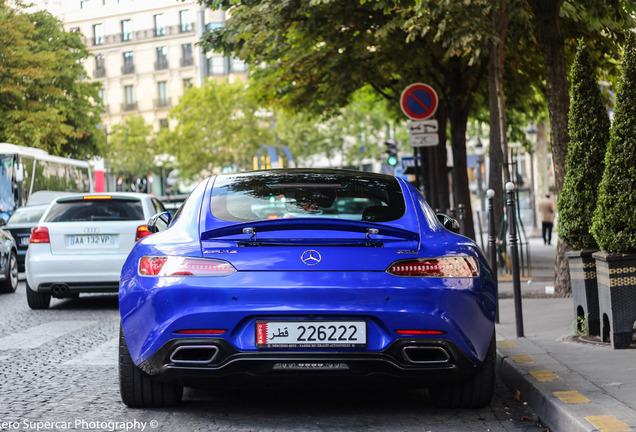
[10, 283]
[37, 300]
[138, 389]
[474, 392]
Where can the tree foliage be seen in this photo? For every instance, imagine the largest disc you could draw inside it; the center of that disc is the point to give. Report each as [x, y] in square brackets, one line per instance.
[589, 128]
[218, 125]
[130, 150]
[613, 225]
[355, 132]
[44, 102]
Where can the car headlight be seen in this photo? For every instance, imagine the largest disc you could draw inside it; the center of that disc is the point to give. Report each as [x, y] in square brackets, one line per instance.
[183, 266]
[443, 267]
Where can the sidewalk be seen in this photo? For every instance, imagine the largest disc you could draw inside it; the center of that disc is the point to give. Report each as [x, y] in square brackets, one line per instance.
[570, 383]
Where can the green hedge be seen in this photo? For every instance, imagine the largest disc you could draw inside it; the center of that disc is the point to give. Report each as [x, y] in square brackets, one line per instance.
[589, 129]
[614, 225]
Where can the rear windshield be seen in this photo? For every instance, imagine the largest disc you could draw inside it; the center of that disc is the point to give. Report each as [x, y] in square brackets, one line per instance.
[26, 215]
[95, 210]
[256, 196]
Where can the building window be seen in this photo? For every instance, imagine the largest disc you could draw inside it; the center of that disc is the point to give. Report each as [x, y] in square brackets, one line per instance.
[217, 66]
[185, 19]
[163, 123]
[213, 25]
[187, 83]
[83, 3]
[186, 55]
[74, 29]
[100, 66]
[129, 65]
[162, 58]
[126, 30]
[160, 25]
[129, 98]
[237, 65]
[98, 34]
[162, 92]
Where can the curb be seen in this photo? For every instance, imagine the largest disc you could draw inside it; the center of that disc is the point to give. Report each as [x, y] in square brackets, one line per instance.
[516, 362]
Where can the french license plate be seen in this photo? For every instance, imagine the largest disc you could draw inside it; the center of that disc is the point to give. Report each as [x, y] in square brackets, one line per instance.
[91, 240]
[24, 241]
[311, 334]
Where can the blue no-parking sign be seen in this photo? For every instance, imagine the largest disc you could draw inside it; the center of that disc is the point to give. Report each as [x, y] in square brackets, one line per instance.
[419, 101]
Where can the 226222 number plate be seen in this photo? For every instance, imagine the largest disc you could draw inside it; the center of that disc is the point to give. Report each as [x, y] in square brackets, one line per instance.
[311, 334]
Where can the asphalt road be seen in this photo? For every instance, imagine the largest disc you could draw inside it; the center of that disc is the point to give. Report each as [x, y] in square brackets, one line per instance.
[59, 372]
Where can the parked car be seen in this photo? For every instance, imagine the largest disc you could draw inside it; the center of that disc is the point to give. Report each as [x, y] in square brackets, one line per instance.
[355, 279]
[8, 261]
[81, 243]
[20, 225]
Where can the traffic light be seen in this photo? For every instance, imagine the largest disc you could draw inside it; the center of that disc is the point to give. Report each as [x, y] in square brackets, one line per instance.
[392, 152]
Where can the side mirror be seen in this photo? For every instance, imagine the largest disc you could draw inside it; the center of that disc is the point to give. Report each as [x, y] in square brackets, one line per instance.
[449, 223]
[159, 222]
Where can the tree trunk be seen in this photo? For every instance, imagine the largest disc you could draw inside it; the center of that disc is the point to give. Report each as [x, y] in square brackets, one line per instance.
[498, 141]
[443, 193]
[551, 42]
[459, 118]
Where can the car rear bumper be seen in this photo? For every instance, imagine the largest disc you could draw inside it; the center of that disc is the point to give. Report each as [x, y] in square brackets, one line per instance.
[85, 273]
[197, 362]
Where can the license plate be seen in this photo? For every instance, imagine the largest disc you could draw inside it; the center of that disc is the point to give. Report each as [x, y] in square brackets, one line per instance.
[91, 240]
[24, 241]
[311, 334]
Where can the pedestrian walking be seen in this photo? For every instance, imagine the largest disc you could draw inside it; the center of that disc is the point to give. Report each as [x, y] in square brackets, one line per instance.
[547, 207]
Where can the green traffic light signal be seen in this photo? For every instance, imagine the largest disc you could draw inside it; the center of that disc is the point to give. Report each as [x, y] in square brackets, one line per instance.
[392, 160]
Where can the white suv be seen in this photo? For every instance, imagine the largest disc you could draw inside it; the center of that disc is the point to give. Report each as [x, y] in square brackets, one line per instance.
[81, 243]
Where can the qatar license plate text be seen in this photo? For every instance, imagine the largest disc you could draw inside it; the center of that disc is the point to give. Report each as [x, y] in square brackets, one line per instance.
[311, 334]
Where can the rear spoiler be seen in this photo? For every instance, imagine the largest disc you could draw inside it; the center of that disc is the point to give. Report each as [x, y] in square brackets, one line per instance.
[310, 224]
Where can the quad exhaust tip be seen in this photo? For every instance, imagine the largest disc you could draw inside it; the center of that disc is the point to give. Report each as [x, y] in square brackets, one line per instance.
[194, 354]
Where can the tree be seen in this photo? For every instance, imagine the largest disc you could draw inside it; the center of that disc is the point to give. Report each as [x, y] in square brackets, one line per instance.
[613, 225]
[319, 53]
[604, 22]
[589, 128]
[357, 131]
[219, 125]
[128, 152]
[44, 102]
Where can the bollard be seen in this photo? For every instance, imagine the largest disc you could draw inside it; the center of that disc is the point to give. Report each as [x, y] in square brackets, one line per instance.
[462, 230]
[492, 244]
[514, 255]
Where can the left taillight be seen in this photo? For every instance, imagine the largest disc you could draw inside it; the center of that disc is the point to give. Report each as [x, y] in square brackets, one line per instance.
[40, 235]
[142, 231]
[183, 266]
[443, 267]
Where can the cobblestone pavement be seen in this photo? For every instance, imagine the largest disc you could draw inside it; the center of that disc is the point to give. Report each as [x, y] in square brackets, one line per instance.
[59, 372]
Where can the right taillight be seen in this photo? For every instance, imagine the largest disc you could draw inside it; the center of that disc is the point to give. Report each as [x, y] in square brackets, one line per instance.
[183, 266]
[443, 267]
[40, 235]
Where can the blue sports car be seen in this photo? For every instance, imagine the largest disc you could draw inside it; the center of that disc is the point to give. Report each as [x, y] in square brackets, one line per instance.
[306, 276]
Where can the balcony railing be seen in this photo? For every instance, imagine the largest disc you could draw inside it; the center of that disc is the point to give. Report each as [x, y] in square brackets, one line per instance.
[129, 106]
[161, 64]
[187, 61]
[128, 68]
[100, 72]
[162, 103]
[173, 30]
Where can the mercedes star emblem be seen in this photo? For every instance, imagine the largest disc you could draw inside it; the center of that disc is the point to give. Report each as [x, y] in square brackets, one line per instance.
[311, 257]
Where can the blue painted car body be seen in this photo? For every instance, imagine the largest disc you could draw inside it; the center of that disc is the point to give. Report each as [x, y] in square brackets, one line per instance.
[271, 282]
